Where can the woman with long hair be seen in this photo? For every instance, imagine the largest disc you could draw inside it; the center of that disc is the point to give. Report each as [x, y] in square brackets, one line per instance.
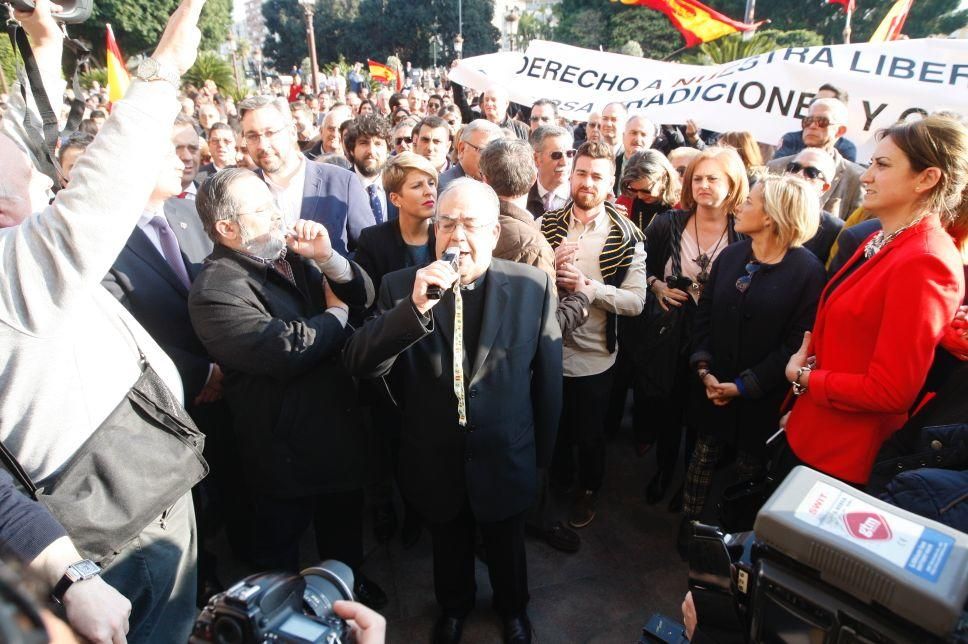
[748, 150]
[682, 246]
[761, 297]
[882, 315]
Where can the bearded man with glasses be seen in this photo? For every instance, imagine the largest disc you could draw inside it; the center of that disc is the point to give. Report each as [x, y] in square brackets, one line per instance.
[823, 127]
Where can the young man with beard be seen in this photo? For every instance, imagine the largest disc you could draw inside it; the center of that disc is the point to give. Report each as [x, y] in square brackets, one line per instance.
[367, 141]
[598, 246]
[303, 189]
[276, 321]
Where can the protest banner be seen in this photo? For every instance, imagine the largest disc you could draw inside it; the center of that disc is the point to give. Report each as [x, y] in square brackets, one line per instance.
[765, 94]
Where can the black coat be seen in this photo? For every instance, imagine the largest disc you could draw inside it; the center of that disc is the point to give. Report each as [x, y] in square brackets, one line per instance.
[750, 336]
[513, 392]
[381, 250]
[292, 400]
[821, 243]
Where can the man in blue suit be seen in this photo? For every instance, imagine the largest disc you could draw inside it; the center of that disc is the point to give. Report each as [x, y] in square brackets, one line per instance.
[303, 189]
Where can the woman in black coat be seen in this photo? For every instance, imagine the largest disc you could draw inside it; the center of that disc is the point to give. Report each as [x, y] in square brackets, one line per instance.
[682, 244]
[761, 297]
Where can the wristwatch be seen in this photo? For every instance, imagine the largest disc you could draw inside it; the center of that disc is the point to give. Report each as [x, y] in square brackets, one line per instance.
[151, 70]
[80, 571]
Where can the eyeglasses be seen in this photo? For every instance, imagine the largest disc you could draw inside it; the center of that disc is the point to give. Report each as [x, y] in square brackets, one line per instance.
[808, 171]
[255, 137]
[449, 224]
[639, 192]
[743, 282]
[400, 140]
[558, 154]
[476, 147]
[819, 121]
[540, 119]
[592, 126]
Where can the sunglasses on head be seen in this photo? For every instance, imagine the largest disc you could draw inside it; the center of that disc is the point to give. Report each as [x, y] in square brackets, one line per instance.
[808, 171]
[819, 121]
[557, 155]
[743, 282]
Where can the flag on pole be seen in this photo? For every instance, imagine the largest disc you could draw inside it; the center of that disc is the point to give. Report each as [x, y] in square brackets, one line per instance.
[847, 4]
[890, 27]
[380, 72]
[118, 79]
[695, 21]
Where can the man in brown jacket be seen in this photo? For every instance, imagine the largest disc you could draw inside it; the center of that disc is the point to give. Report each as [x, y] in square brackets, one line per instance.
[507, 166]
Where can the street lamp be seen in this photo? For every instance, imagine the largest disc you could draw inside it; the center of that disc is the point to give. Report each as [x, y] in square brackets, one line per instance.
[257, 59]
[235, 61]
[458, 45]
[309, 6]
[511, 20]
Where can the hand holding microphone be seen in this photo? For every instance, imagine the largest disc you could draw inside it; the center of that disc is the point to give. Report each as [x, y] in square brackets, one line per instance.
[432, 280]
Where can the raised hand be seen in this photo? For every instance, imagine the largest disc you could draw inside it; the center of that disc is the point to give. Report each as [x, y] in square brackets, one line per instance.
[178, 46]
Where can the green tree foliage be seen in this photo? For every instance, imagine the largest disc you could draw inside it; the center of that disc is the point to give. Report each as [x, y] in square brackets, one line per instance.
[138, 24]
[8, 60]
[210, 66]
[650, 29]
[361, 29]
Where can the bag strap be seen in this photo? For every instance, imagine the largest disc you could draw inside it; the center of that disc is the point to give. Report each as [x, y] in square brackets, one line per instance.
[14, 467]
[44, 150]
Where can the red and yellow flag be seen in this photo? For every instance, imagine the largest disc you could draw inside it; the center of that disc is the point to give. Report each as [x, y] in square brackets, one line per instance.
[380, 72]
[890, 27]
[118, 79]
[695, 21]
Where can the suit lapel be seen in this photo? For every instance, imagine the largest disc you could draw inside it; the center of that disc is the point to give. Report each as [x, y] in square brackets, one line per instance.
[310, 193]
[495, 303]
[141, 246]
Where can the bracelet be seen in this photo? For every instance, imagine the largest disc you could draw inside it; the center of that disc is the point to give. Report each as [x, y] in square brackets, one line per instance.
[798, 389]
[649, 283]
[702, 373]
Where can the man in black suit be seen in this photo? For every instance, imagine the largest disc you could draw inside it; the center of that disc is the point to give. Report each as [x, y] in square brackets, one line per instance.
[479, 425]
[222, 148]
[277, 328]
[303, 189]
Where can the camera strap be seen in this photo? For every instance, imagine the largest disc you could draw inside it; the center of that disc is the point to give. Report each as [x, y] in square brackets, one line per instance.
[42, 137]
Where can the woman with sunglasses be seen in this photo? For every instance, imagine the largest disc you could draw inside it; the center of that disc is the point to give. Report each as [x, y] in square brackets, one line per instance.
[650, 185]
[883, 314]
[760, 298]
[682, 247]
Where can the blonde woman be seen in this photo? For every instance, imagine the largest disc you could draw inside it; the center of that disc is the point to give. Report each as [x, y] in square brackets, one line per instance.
[761, 296]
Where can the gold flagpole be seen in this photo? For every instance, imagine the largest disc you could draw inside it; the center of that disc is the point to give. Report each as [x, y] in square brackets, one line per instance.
[850, 12]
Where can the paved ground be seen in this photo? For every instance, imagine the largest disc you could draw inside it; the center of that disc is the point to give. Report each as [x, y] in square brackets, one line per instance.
[627, 569]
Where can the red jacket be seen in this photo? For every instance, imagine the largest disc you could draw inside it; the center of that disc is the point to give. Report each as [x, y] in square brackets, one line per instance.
[874, 339]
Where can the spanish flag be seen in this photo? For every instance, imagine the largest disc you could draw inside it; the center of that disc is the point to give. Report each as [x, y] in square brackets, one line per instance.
[890, 27]
[695, 21]
[118, 79]
[380, 72]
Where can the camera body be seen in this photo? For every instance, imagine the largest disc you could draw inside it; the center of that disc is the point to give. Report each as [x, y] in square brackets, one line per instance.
[279, 607]
[73, 11]
[680, 282]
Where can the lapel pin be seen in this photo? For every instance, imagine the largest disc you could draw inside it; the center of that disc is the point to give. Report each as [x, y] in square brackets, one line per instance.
[183, 225]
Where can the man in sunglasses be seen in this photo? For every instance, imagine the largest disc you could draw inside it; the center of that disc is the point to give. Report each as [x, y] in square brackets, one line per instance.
[814, 166]
[792, 142]
[824, 125]
[553, 154]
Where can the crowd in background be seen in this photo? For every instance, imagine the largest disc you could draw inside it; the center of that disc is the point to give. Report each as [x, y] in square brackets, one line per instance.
[276, 256]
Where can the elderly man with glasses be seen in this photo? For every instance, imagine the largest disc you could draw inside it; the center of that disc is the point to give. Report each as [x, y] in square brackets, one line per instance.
[823, 127]
[553, 154]
[471, 351]
[816, 167]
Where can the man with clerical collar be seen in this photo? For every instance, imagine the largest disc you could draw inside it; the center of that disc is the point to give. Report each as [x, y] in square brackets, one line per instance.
[476, 373]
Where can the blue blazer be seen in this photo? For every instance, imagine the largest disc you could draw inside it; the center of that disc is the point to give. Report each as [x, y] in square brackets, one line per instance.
[335, 198]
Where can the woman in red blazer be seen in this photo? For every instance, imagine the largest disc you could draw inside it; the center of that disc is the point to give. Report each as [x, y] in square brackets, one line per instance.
[882, 315]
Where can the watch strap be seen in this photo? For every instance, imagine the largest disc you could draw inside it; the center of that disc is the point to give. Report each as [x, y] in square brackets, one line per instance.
[69, 579]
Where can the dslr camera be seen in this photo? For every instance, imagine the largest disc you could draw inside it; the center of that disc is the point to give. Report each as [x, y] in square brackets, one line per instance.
[279, 608]
[72, 11]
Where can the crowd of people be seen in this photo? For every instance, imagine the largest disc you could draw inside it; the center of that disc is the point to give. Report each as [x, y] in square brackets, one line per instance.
[442, 294]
